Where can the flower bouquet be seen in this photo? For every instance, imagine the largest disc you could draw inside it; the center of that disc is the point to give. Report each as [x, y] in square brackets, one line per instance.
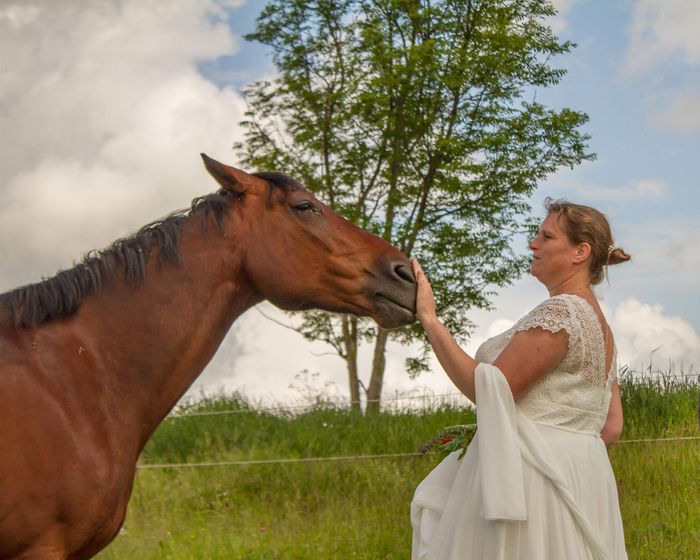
[451, 439]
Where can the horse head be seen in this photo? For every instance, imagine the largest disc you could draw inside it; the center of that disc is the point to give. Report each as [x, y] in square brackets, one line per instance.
[300, 254]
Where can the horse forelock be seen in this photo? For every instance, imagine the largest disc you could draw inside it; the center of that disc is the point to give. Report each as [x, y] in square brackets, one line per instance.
[281, 181]
[60, 296]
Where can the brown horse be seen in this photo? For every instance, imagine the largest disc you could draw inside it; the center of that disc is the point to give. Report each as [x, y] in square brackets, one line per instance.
[92, 359]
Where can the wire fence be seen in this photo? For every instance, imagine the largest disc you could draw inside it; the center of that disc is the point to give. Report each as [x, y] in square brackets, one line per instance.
[638, 377]
[282, 461]
[399, 403]
[277, 461]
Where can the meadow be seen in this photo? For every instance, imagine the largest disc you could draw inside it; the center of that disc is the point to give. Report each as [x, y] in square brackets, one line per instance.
[359, 508]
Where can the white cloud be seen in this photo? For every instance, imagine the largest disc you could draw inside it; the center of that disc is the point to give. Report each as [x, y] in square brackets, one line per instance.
[641, 329]
[664, 48]
[648, 189]
[493, 327]
[102, 117]
[261, 359]
[662, 30]
[103, 114]
[677, 110]
[569, 185]
[559, 23]
[645, 189]
[668, 249]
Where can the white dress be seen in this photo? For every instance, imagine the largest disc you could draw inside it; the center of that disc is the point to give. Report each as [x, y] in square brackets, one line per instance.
[536, 482]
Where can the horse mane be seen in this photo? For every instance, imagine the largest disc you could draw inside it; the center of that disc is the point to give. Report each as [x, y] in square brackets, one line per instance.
[60, 296]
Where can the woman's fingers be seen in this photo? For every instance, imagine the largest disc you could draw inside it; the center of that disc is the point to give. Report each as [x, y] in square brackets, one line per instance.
[416, 267]
[418, 271]
[419, 274]
[425, 303]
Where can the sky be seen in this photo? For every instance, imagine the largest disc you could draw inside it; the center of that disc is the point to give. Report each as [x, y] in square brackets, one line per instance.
[105, 107]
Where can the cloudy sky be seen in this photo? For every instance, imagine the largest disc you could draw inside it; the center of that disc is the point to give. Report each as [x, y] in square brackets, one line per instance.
[105, 106]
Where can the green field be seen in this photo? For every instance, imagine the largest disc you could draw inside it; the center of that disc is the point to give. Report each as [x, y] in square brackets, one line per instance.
[359, 508]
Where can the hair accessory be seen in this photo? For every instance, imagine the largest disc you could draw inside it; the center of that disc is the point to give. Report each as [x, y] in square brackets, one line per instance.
[611, 249]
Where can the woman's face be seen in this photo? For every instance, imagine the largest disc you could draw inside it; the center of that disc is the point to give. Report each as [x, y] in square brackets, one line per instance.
[553, 255]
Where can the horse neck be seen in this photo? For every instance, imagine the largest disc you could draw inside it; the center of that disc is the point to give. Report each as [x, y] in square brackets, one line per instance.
[158, 337]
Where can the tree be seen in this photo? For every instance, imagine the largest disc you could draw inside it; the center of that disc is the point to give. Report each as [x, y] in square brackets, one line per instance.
[412, 118]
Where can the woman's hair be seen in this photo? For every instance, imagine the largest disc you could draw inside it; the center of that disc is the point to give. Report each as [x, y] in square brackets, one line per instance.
[584, 224]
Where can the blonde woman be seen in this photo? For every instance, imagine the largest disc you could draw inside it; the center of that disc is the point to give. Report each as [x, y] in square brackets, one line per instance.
[536, 482]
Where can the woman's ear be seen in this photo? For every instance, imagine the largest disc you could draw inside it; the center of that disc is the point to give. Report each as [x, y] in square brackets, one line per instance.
[583, 251]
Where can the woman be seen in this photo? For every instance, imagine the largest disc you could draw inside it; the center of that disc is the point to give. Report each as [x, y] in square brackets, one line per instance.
[536, 482]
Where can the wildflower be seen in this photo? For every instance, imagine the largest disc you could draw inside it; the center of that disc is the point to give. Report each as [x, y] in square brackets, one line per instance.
[450, 439]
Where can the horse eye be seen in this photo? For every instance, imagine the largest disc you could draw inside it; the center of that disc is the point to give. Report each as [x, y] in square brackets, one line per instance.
[306, 206]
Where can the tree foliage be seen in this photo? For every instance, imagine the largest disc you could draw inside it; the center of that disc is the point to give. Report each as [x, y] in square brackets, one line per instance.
[418, 120]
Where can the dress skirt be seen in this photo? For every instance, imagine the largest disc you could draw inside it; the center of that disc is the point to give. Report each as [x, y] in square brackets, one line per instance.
[569, 509]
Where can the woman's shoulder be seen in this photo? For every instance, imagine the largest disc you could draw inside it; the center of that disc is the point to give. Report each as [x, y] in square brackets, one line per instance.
[554, 314]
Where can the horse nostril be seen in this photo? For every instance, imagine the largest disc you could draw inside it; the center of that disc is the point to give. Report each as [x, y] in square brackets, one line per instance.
[404, 272]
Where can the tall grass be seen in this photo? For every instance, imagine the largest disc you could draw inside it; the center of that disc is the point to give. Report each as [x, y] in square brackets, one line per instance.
[246, 434]
[359, 508]
[659, 403]
[659, 482]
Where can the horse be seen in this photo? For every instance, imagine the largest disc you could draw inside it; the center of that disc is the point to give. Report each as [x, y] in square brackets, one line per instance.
[93, 358]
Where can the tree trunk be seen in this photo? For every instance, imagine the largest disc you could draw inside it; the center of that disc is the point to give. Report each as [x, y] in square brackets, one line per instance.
[374, 393]
[350, 342]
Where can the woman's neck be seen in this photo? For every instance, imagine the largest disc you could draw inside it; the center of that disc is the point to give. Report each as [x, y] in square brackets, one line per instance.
[577, 284]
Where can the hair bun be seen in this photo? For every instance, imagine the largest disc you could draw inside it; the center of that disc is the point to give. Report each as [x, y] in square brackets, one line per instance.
[617, 256]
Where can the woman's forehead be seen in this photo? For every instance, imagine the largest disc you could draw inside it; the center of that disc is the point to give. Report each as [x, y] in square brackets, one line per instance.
[552, 222]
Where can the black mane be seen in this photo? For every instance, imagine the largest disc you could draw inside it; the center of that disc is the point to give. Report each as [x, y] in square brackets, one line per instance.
[60, 296]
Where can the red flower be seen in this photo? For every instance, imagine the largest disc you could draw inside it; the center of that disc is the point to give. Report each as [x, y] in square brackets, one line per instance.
[446, 441]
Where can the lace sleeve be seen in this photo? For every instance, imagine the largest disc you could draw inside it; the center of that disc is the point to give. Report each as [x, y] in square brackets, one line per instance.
[552, 315]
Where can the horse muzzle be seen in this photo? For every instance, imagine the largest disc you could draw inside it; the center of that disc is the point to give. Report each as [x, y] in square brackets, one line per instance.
[394, 294]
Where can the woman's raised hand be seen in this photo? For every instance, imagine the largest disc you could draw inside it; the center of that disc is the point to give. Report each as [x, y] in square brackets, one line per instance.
[425, 301]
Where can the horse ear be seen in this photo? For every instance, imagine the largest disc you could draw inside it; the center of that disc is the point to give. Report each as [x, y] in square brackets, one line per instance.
[230, 178]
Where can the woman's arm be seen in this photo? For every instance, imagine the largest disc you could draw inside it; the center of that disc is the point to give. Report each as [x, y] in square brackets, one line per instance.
[530, 354]
[458, 365]
[613, 425]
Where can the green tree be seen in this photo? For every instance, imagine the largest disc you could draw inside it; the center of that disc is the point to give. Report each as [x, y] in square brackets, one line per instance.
[416, 119]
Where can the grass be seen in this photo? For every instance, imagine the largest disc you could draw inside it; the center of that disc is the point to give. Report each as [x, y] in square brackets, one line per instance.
[659, 482]
[359, 509]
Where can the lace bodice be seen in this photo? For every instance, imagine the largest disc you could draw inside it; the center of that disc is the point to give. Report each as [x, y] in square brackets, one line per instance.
[576, 394]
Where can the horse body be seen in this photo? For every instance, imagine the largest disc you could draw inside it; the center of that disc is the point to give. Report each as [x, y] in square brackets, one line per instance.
[81, 395]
